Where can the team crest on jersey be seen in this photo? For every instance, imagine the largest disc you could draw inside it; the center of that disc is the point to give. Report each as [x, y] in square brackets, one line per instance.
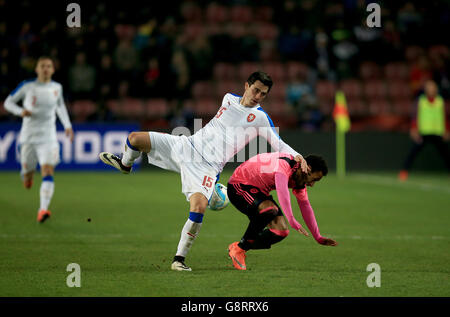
[253, 191]
[56, 93]
[251, 117]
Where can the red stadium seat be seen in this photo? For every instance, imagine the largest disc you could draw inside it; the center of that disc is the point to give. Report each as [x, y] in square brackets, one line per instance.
[266, 31]
[133, 108]
[114, 106]
[263, 14]
[206, 107]
[379, 107]
[82, 109]
[399, 89]
[357, 107]
[246, 69]
[294, 68]
[224, 71]
[201, 89]
[369, 70]
[403, 107]
[278, 90]
[241, 14]
[156, 108]
[396, 71]
[352, 88]
[216, 13]
[229, 86]
[276, 70]
[375, 89]
[325, 90]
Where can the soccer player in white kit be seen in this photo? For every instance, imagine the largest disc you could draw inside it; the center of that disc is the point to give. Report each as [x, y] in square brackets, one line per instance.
[42, 99]
[201, 157]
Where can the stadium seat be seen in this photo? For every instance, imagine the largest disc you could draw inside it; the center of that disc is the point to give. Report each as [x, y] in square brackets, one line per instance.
[294, 68]
[201, 89]
[82, 109]
[375, 89]
[191, 12]
[263, 13]
[241, 14]
[369, 71]
[216, 13]
[133, 108]
[403, 107]
[278, 90]
[228, 86]
[114, 107]
[224, 71]
[156, 108]
[357, 108]
[266, 31]
[351, 88]
[193, 30]
[276, 70]
[246, 68]
[325, 90]
[399, 89]
[396, 71]
[379, 107]
[206, 107]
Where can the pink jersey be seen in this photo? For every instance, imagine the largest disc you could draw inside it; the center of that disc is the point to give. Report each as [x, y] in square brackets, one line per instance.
[273, 171]
[260, 170]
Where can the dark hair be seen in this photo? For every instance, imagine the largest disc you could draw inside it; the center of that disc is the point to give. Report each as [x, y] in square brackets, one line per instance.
[262, 77]
[317, 164]
[43, 57]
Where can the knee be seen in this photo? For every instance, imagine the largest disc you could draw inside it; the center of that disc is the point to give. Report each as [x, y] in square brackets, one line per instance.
[269, 210]
[280, 233]
[133, 138]
[198, 203]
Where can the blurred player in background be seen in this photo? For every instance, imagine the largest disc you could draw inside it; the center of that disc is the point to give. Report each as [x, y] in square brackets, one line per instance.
[42, 99]
[239, 120]
[428, 127]
[248, 190]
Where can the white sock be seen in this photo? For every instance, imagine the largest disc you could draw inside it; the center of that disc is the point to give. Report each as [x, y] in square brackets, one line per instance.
[130, 154]
[46, 192]
[188, 235]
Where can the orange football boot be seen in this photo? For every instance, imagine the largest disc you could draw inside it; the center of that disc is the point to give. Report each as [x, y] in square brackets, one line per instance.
[237, 255]
[43, 215]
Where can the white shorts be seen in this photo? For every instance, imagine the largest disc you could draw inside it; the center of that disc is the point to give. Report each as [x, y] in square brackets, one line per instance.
[42, 153]
[176, 153]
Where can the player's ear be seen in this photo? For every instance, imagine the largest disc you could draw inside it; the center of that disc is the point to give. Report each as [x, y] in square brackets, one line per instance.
[247, 86]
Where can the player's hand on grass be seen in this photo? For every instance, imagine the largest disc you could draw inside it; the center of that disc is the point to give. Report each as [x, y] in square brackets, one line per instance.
[26, 113]
[328, 241]
[303, 231]
[303, 165]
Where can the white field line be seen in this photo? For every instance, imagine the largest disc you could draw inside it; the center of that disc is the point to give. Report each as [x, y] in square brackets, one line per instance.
[391, 181]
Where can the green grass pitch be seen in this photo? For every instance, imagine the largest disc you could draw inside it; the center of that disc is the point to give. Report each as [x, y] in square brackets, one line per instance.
[127, 247]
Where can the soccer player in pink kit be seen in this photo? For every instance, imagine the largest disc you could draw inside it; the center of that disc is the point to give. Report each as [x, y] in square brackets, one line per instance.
[248, 191]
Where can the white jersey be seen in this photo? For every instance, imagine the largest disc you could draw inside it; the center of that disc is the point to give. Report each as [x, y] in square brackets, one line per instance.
[44, 101]
[233, 127]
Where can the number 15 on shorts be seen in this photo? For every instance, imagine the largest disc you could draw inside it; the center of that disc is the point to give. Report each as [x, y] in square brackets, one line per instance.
[208, 181]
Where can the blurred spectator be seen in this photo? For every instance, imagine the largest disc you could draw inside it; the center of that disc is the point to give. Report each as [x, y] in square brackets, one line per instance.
[126, 59]
[106, 79]
[81, 78]
[322, 57]
[181, 75]
[428, 127]
[201, 58]
[151, 78]
[301, 97]
[368, 40]
[419, 74]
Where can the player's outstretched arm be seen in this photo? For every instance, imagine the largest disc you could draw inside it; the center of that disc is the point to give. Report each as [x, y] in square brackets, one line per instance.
[281, 185]
[63, 115]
